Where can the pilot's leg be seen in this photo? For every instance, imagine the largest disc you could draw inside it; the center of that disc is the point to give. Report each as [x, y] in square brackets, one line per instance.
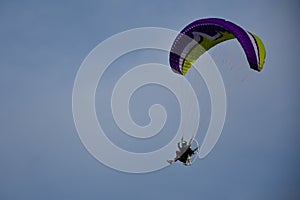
[188, 160]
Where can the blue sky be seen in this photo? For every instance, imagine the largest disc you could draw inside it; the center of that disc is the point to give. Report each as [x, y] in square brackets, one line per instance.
[42, 47]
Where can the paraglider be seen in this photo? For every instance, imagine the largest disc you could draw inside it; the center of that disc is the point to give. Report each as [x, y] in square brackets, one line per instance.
[203, 34]
[197, 38]
[185, 152]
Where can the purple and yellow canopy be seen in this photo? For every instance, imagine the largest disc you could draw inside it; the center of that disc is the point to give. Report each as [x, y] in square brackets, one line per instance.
[206, 33]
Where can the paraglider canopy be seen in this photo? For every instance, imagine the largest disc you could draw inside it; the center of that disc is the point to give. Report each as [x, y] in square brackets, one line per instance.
[206, 33]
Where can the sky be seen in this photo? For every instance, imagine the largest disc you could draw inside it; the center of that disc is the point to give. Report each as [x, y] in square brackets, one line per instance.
[42, 47]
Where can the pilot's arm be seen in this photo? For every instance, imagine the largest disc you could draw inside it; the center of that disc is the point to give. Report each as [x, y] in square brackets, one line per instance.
[178, 145]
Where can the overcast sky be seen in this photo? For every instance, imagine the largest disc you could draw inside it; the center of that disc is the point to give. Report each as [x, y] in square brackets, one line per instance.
[42, 45]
